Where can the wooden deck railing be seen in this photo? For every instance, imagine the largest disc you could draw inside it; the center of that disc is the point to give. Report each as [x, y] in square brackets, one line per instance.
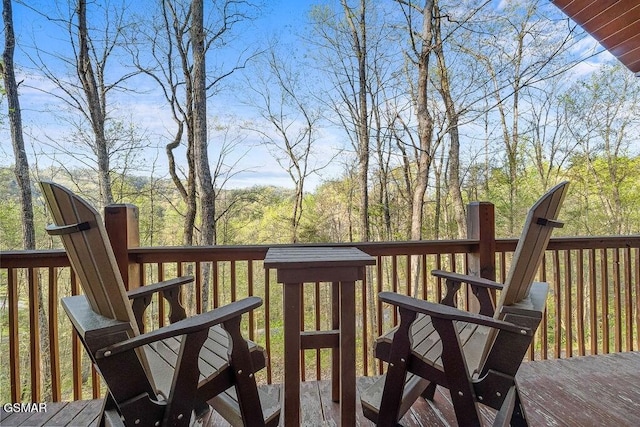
[593, 307]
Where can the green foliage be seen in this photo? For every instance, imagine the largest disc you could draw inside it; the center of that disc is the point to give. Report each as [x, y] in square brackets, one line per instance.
[510, 215]
[10, 226]
[258, 214]
[596, 205]
[600, 206]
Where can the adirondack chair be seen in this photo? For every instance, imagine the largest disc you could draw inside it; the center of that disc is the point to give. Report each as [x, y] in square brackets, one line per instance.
[168, 376]
[475, 356]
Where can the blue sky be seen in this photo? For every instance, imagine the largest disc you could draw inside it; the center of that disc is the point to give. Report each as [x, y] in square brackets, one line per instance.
[280, 18]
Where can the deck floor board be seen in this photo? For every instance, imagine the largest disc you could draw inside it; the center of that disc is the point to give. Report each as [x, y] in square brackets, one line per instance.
[580, 391]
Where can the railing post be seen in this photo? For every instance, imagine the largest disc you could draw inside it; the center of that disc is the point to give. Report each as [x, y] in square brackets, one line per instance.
[481, 226]
[121, 222]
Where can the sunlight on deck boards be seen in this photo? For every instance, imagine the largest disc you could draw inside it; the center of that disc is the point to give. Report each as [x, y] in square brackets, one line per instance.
[581, 391]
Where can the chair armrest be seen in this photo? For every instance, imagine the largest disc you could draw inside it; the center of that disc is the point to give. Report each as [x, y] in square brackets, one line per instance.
[169, 289]
[149, 290]
[184, 327]
[465, 278]
[441, 311]
[479, 286]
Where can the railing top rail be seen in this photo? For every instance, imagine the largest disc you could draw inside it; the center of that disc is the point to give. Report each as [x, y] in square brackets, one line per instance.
[58, 258]
[580, 242]
[34, 258]
[598, 242]
[257, 252]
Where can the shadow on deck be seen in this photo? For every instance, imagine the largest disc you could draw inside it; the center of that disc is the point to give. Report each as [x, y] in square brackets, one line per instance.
[581, 391]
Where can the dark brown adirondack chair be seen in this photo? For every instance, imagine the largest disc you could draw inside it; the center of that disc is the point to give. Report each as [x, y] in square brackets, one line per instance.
[168, 376]
[475, 356]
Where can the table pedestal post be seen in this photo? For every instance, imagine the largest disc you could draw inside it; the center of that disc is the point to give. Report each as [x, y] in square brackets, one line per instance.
[347, 354]
[335, 351]
[292, 353]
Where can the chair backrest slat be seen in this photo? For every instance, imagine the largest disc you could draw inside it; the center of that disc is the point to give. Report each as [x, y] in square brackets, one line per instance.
[531, 246]
[540, 222]
[91, 255]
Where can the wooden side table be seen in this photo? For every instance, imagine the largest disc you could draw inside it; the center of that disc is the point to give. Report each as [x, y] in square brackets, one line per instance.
[341, 266]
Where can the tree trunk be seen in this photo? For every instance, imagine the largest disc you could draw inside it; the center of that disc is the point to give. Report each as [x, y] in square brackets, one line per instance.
[15, 124]
[24, 182]
[425, 134]
[359, 40]
[203, 172]
[296, 216]
[96, 107]
[452, 117]
[425, 123]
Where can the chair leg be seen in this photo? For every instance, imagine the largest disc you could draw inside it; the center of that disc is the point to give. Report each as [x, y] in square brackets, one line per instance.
[107, 404]
[200, 409]
[458, 379]
[103, 420]
[519, 416]
[246, 388]
[185, 381]
[391, 397]
[430, 392]
[396, 372]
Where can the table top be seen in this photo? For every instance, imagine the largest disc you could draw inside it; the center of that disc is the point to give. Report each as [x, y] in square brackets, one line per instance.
[310, 256]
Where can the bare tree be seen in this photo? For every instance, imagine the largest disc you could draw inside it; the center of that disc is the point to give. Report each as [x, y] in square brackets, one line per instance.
[170, 67]
[602, 117]
[181, 35]
[283, 100]
[21, 172]
[521, 52]
[453, 118]
[552, 143]
[388, 102]
[85, 93]
[344, 48]
[15, 124]
[96, 103]
[382, 137]
[357, 21]
[421, 49]
[200, 143]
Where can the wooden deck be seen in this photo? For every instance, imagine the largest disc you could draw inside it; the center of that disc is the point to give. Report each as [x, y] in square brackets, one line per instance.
[581, 391]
